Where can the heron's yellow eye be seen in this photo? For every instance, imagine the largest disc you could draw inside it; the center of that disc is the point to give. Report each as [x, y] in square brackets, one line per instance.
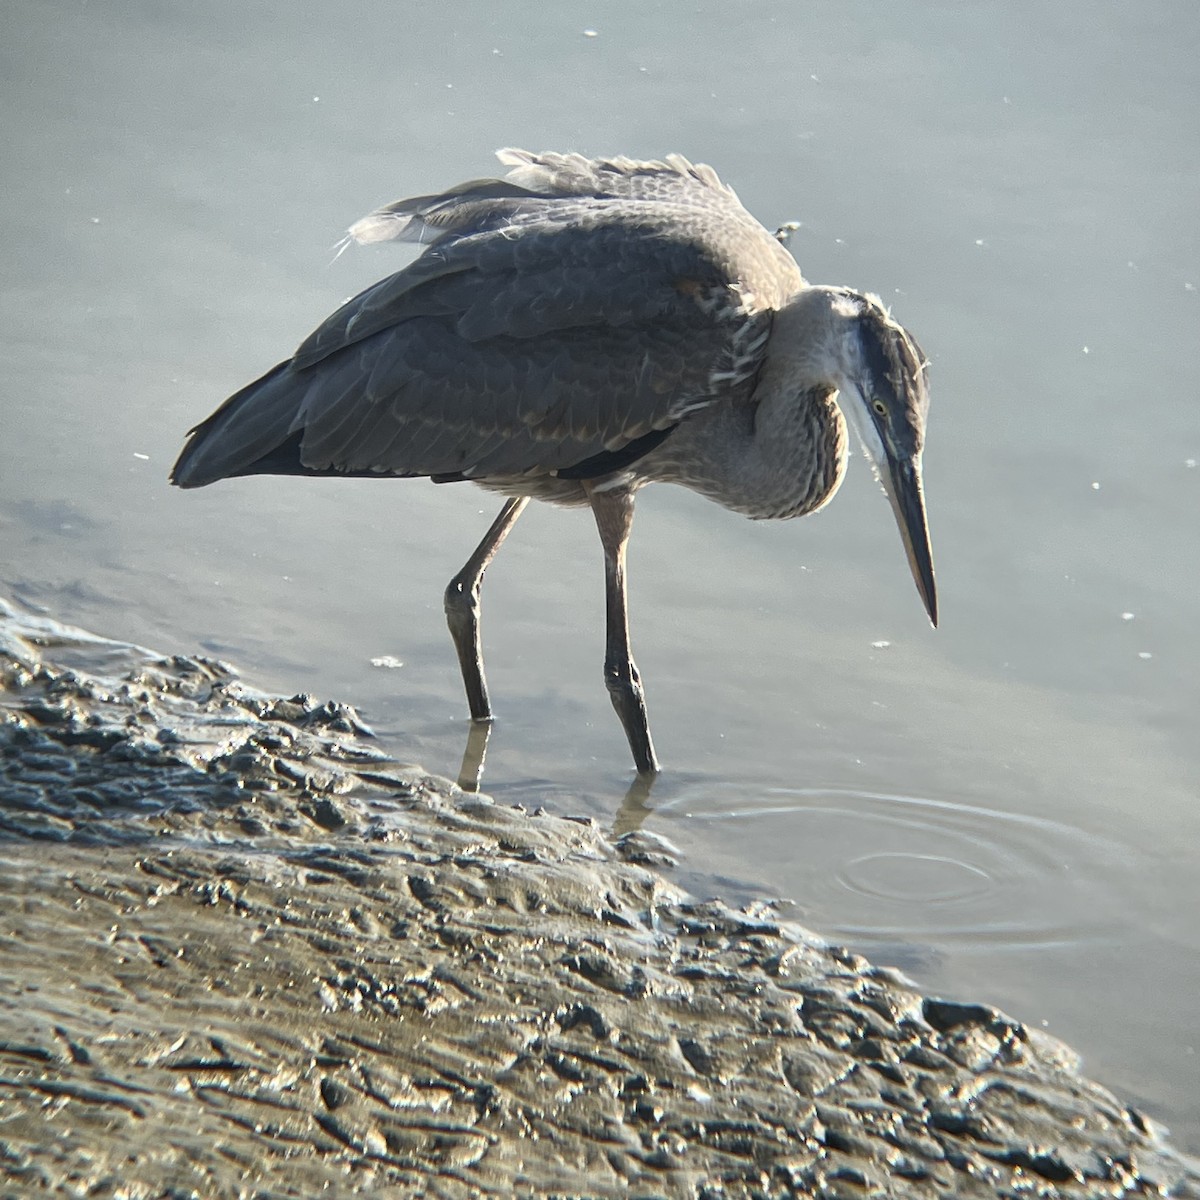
[879, 407]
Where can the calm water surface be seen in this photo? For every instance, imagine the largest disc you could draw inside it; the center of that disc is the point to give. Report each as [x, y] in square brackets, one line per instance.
[1006, 807]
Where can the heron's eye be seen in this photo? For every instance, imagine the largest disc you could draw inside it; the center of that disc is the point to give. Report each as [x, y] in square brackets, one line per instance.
[879, 406]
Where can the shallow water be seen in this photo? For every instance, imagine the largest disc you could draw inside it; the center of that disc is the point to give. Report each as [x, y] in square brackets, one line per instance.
[1006, 807]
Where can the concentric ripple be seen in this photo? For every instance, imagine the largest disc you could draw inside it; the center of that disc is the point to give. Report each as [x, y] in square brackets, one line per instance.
[920, 878]
[873, 866]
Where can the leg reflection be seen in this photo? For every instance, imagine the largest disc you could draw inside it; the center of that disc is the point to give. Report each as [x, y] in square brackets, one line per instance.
[470, 774]
[634, 808]
[632, 814]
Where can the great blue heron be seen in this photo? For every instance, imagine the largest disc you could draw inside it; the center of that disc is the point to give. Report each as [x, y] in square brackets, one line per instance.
[570, 333]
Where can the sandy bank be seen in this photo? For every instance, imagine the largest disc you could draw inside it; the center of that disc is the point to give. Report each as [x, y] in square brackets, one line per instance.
[243, 954]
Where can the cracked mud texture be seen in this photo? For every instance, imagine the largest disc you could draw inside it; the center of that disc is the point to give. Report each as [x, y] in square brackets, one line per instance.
[243, 954]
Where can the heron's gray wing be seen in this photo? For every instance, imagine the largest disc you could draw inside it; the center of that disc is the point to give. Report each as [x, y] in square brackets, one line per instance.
[563, 213]
[530, 348]
[420, 399]
[556, 206]
[544, 325]
[571, 267]
[517, 350]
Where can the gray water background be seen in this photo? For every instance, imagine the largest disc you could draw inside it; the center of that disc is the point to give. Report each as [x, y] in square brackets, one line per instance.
[1006, 807]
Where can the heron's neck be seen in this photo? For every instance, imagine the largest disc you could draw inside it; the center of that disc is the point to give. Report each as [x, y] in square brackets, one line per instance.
[780, 453]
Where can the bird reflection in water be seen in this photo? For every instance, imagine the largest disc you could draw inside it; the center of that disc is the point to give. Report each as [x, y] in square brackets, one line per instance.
[630, 815]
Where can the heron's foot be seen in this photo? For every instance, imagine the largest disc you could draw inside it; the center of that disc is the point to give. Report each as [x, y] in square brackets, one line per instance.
[629, 699]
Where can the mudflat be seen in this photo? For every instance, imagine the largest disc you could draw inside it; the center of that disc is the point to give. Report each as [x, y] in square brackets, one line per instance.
[242, 953]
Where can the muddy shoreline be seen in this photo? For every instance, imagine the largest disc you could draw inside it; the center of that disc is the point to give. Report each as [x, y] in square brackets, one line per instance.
[244, 954]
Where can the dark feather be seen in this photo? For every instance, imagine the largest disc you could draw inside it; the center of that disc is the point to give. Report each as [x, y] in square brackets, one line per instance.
[561, 321]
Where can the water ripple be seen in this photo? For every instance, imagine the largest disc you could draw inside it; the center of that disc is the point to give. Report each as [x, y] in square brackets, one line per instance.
[876, 865]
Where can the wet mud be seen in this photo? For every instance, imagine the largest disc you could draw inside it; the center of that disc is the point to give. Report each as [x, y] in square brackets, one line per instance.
[242, 954]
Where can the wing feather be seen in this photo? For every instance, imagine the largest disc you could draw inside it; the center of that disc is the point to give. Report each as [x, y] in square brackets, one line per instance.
[558, 399]
[554, 317]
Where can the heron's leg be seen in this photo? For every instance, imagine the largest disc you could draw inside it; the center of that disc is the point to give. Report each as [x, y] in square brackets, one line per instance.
[462, 608]
[614, 518]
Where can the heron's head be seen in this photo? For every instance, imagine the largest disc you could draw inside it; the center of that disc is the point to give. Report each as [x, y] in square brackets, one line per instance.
[880, 374]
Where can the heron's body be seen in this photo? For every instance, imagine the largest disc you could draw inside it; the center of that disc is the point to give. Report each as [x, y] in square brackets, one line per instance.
[570, 334]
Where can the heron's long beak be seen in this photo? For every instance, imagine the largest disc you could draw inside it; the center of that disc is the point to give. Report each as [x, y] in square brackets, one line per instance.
[902, 482]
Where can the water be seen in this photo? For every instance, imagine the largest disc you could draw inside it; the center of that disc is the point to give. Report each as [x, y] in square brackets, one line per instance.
[1006, 807]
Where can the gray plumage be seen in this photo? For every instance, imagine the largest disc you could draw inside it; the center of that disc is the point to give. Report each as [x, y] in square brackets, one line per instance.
[570, 333]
